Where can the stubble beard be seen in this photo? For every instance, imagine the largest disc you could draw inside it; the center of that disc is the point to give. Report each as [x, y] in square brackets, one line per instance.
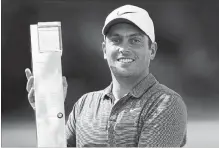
[117, 72]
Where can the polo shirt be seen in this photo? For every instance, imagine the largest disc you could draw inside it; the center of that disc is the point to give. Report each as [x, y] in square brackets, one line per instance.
[150, 115]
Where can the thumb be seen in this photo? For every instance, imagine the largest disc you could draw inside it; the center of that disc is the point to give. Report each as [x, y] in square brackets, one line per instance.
[65, 84]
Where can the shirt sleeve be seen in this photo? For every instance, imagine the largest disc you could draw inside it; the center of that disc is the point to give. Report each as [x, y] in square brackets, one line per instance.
[71, 122]
[71, 128]
[165, 124]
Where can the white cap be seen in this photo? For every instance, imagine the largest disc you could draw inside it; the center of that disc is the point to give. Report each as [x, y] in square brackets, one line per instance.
[133, 14]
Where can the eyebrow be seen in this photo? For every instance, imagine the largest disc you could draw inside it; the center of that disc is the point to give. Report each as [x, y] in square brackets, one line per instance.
[137, 34]
[132, 35]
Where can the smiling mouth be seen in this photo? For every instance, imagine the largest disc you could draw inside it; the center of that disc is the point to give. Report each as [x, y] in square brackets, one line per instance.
[125, 60]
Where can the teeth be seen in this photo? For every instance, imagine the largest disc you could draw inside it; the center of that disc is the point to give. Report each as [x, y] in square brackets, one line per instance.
[126, 60]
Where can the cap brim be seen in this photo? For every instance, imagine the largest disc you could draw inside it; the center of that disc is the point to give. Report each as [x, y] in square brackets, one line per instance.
[114, 22]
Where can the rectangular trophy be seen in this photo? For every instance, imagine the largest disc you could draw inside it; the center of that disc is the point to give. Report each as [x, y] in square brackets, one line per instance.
[46, 45]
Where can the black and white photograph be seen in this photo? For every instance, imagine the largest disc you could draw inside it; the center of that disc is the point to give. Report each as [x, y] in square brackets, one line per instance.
[112, 73]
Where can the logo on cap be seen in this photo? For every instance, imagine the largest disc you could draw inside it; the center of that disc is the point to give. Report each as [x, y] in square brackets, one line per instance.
[119, 14]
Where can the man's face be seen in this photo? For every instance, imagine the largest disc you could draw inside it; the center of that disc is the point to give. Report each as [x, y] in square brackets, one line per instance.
[127, 51]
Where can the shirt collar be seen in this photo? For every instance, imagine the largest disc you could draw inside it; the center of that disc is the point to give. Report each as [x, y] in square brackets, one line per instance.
[138, 90]
[107, 92]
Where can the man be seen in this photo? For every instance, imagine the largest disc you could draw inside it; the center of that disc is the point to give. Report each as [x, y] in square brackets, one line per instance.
[135, 110]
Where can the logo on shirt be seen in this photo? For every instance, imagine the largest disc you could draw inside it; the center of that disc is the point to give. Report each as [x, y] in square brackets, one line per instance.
[135, 110]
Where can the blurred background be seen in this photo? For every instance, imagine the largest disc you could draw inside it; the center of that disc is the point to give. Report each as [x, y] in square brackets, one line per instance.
[187, 59]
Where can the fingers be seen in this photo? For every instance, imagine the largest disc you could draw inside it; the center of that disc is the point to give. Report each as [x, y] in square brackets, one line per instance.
[30, 88]
[31, 98]
[29, 78]
[28, 73]
[29, 83]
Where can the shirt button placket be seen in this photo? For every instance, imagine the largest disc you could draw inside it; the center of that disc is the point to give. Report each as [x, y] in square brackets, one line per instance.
[111, 131]
[112, 121]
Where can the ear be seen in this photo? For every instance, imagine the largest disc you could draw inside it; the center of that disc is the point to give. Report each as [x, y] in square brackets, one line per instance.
[104, 49]
[153, 50]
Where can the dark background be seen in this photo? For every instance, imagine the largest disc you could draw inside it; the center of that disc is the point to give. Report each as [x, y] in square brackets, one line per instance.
[187, 59]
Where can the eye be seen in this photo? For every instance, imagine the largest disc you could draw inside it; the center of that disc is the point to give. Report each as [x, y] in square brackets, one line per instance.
[135, 40]
[115, 40]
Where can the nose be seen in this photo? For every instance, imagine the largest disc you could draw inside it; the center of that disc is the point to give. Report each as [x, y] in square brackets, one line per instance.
[124, 48]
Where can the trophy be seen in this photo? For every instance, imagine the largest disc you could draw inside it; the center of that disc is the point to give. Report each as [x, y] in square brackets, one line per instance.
[46, 49]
